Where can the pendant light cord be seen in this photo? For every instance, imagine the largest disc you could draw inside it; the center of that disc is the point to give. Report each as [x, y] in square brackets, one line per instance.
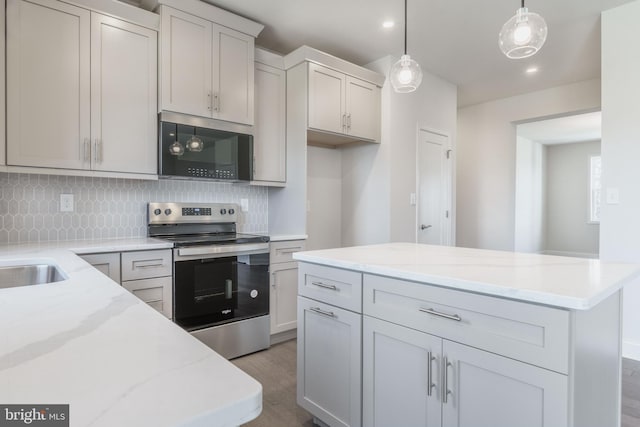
[522, 3]
[405, 26]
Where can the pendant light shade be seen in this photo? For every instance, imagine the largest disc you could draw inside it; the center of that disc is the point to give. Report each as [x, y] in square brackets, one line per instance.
[405, 75]
[523, 35]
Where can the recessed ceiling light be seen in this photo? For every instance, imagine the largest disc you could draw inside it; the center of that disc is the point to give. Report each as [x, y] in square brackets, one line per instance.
[531, 70]
[388, 24]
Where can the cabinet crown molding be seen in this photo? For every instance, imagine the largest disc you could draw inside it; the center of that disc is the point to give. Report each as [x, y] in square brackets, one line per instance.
[306, 53]
[209, 12]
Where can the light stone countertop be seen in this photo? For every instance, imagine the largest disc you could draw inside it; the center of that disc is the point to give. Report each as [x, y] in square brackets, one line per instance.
[82, 247]
[572, 283]
[88, 342]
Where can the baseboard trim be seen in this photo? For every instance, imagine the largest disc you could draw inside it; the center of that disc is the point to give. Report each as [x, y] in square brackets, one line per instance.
[631, 350]
[284, 336]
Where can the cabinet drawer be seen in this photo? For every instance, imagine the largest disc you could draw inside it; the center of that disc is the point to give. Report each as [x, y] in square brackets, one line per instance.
[531, 333]
[342, 288]
[283, 251]
[146, 264]
[156, 292]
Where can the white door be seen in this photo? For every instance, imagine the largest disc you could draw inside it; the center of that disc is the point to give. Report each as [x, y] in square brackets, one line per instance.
[123, 96]
[48, 88]
[487, 390]
[233, 69]
[327, 99]
[434, 189]
[363, 109]
[283, 297]
[329, 363]
[400, 376]
[186, 63]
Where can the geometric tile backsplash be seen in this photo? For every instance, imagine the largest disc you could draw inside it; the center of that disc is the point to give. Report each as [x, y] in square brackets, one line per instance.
[108, 207]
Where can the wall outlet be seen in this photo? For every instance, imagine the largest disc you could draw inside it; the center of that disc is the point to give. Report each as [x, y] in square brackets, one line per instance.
[66, 202]
[244, 205]
[613, 196]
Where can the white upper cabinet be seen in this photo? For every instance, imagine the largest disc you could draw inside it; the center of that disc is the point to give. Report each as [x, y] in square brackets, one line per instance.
[48, 89]
[123, 96]
[363, 109]
[206, 69]
[82, 90]
[327, 99]
[269, 143]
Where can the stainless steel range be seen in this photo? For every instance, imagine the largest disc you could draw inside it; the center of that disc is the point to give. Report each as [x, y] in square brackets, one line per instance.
[220, 277]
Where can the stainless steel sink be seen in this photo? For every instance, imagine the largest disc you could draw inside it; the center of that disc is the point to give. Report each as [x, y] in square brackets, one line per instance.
[29, 274]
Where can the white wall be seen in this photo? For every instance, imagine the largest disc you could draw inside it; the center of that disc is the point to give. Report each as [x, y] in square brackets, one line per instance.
[378, 180]
[568, 231]
[529, 198]
[620, 224]
[486, 147]
[324, 198]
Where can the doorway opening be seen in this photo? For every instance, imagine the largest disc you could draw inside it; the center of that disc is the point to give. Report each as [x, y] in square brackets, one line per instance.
[557, 198]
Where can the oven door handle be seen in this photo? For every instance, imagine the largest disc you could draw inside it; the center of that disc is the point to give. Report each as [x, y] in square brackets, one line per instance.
[247, 248]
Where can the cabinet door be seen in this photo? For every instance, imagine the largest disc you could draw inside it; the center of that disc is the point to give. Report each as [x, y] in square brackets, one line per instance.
[487, 390]
[107, 263]
[123, 96]
[283, 297]
[48, 84]
[269, 142]
[326, 99]
[233, 73]
[185, 67]
[363, 109]
[400, 376]
[329, 370]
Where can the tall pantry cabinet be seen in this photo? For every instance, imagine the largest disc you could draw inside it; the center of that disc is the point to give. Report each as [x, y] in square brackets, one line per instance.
[81, 89]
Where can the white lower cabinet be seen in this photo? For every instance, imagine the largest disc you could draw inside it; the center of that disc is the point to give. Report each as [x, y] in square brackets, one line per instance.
[282, 299]
[107, 263]
[411, 378]
[329, 363]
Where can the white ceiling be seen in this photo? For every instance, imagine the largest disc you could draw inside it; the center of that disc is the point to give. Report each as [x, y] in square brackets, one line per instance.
[454, 39]
[562, 130]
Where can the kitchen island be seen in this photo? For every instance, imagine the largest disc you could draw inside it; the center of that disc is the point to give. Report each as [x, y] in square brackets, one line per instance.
[408, 334]
[87, 342]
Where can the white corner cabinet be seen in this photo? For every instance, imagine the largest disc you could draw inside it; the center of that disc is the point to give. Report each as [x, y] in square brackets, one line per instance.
[284, 285]
[146, 274]
[207, 66]
[81, 89]
[342, 101]
[432, 356]
[269, 141]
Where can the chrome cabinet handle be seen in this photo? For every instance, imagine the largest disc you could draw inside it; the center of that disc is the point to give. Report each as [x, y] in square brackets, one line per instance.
[99, 153]
[344, 122]
[436, 313]
[424, 227]
[430, 383]
[445, 388]
[216, 102]
[349, 121]
[209, 101]
[324, 285]
[323, 312]
[86, 152]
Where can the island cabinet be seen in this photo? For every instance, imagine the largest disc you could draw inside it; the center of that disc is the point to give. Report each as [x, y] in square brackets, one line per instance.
[376, 350]
[343, 104]
[207, 68]
[81, 89]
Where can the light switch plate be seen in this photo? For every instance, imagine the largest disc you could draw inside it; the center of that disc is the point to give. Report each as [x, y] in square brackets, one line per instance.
[613, 196]
[244, 205]
[66, 202]
[412, 199]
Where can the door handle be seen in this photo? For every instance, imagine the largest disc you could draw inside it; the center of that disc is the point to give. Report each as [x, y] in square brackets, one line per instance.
[445, 389]
[424, 227]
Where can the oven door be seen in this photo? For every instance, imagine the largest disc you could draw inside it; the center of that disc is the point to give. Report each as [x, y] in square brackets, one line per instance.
[220, 288]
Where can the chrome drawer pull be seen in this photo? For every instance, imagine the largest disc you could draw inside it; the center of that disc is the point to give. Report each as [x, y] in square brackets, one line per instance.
[323, 312]
[324, 285]
[436, 313]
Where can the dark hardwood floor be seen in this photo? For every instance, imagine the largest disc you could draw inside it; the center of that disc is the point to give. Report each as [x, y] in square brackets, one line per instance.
[276, 370]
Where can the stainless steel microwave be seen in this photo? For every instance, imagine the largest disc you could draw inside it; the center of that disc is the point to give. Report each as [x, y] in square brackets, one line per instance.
[190, 147]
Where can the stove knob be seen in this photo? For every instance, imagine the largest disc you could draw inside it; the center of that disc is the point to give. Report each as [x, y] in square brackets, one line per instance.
[167, 212]
[157, 212]
[231, 211]
[223, 211]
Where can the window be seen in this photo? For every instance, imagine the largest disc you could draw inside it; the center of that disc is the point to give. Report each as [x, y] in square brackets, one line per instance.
[595, 186]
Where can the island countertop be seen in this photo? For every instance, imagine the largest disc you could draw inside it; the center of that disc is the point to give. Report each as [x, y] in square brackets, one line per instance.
[89, 343]
[572, 283]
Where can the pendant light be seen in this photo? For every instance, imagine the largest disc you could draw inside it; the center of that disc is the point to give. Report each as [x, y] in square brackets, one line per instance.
[523, 35]
[405, 74]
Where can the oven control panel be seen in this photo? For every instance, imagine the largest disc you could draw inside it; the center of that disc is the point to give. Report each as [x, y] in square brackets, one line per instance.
[181, 213]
